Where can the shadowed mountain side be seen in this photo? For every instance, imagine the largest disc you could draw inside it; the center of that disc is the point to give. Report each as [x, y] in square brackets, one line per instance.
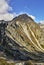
[21, 54]
[13, 52]
[17, 53]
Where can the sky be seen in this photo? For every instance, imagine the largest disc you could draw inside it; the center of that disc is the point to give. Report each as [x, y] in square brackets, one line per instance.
[11, 8]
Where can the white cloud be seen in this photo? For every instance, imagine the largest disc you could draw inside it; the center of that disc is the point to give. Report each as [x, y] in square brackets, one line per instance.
[4, 8]
[7, 16]
[33, 17]
[42, 22]
[4, 11]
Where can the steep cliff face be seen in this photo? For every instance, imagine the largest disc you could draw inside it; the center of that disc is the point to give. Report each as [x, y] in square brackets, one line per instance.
[26, 33]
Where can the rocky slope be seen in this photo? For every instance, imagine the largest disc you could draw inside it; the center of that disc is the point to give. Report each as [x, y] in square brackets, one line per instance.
[42, 39]
[23, 40]
[26, 33]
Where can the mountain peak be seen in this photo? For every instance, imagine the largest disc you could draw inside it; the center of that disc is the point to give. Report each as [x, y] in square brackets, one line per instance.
[23, 17]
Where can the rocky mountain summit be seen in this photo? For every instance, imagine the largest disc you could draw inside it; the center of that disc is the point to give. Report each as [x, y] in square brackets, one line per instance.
[22, 40]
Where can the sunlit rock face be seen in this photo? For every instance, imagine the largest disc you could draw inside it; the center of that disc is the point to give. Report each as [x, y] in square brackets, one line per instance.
[26, 33]
[24, 40]
[42, 36]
